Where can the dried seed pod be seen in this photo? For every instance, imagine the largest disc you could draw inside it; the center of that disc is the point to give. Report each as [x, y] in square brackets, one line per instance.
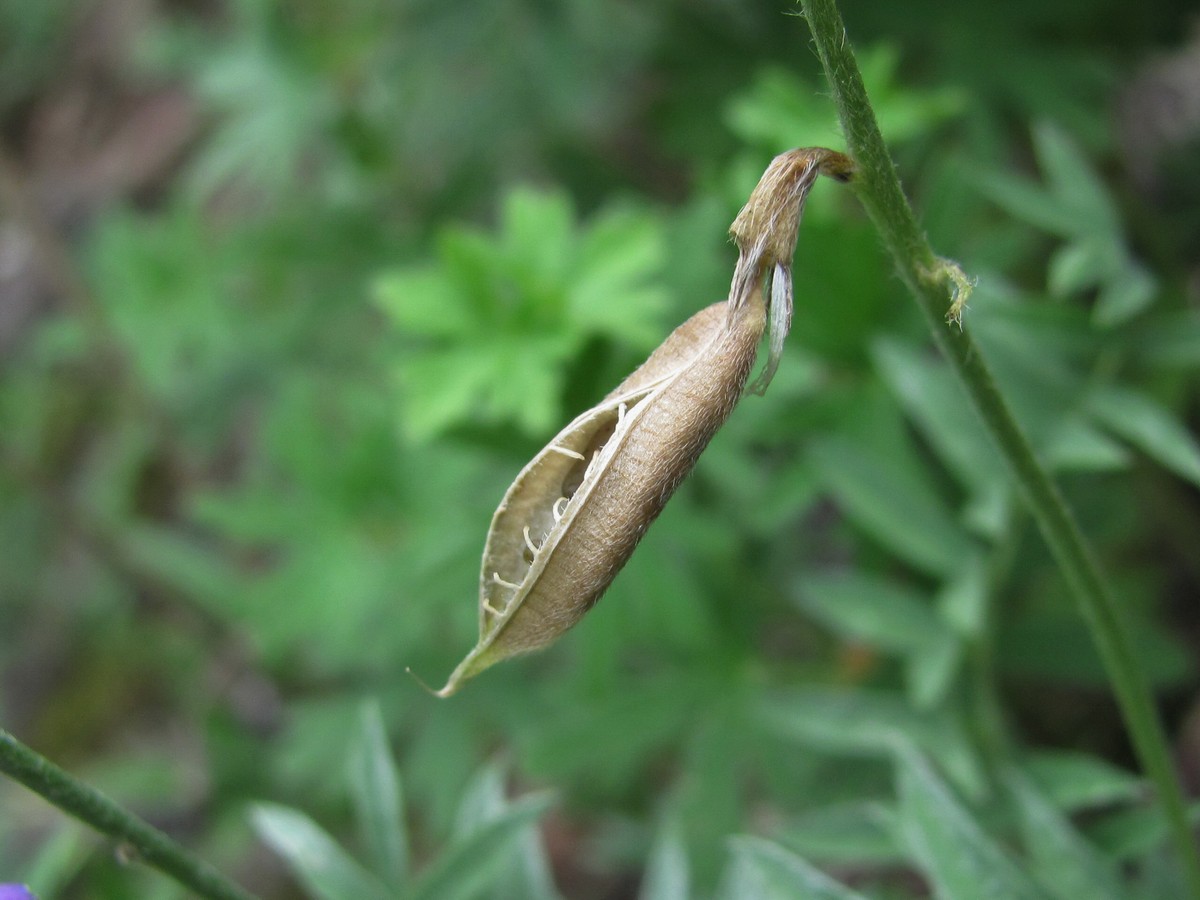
[574, 515]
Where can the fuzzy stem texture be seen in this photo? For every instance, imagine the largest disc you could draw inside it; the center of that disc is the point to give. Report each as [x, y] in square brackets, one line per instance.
[89, 805]
[934, 284]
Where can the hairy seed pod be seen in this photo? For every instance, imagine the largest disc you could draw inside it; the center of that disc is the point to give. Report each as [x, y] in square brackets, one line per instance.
[575, 513]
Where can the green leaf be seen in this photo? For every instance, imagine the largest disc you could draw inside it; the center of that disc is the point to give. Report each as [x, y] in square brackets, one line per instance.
[317, 861]
[537, 234]
[1028, 201]
[849, 833]
[780, 105]
[930, 670]
[527, 873]
[874, 723]
[183, 563]
[1073, 182]
[422, 302]
[947, 842]
[888, 504]
[502, 314]
[470, 866]
[765, 871]
[442, 389]
[934, 399]
[1076, 446]
[776, 105]
[963, 601]
[667, 876]
[56, 862]
[904, 112]
[1081, 264]
[613, 290]
[1052, 645]
[1170, 340]
[1065, 864]
[1076, 781]
[872, 610]
[1132, 833]
[1149, 427]
[378, 801]
[1130, 291]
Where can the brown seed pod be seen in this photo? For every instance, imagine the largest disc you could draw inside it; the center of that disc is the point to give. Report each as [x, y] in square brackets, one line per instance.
[574, 515]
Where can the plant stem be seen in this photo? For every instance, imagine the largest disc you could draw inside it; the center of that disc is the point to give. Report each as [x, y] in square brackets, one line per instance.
[931, 282]
[89, 805]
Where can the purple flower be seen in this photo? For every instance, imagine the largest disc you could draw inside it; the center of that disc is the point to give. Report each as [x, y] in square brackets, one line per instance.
[16, 892]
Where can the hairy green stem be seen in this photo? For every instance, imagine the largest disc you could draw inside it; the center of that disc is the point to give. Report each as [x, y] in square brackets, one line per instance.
[89, 805]
[933, 283]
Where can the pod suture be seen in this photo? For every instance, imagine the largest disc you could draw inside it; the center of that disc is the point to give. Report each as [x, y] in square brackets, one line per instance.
[575, 513]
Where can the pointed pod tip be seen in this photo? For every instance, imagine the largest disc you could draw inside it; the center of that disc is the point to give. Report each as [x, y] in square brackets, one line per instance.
[448, 690]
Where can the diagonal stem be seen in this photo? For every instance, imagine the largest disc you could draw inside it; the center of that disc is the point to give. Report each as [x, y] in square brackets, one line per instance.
[89, 805]
[933, 284]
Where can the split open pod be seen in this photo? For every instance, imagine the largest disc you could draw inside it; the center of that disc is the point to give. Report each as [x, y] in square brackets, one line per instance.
[576, 512]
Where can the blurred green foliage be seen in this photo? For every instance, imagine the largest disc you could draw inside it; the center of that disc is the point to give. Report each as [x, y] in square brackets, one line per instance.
[248, 468]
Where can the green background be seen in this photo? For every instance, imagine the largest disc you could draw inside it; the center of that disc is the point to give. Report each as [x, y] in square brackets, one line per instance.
[292, 291]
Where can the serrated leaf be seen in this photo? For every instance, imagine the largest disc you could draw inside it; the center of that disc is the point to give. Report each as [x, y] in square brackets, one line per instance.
[1065, 864]
[765, 871]
[502, 313]
[421, 302]
[537, 233]
[316, 859]
[378, 801]
[780, 105]
[1149, 427]
[613, 290]
[441, 389]
[949, 844]
[467, 869]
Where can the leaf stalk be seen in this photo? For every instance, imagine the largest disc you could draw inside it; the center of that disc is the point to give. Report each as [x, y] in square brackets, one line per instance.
[87, 804]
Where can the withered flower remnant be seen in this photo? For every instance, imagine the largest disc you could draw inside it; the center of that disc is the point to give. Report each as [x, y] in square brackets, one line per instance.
[576, 512]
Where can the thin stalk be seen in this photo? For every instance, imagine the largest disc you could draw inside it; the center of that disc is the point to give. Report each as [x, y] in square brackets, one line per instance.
[89, 805]
[934, 283]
